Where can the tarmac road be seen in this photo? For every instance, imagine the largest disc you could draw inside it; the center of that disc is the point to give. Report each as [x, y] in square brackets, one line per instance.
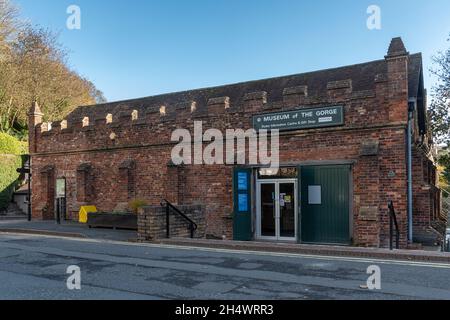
[34, 267]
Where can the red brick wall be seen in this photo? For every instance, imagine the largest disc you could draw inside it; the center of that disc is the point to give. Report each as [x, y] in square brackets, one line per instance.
[377, 115]
[152, 223]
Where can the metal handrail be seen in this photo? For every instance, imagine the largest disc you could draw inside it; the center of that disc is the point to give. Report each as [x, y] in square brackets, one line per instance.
[393, 223]
[192, 225]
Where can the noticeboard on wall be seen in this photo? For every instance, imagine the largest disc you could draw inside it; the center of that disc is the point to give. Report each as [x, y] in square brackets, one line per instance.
[315, 195]
[243, 202]
[242, 227]
[242, 181]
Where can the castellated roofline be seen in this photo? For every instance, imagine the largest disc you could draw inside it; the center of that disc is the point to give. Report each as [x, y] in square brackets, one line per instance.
[254, 101]
[306, 89]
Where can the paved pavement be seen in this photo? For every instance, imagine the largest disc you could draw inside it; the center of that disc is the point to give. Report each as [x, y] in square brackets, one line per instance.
[71, 229]
[34, 267]
[318, 250]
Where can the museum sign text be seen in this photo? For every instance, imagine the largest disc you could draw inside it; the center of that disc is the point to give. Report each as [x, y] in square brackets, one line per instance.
[300, 119]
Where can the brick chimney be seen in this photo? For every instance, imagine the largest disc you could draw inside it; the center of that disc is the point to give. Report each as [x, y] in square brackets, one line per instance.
[397, 62]
[396, 48]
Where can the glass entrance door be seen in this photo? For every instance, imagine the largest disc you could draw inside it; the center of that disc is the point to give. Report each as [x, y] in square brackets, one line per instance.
[277, 210]
[287, 205]
[268, 210]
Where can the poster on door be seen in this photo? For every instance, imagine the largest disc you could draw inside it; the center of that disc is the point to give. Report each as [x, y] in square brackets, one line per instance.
[243, 202]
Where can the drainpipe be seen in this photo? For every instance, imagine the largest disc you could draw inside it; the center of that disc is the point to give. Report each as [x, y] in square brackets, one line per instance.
[411, 108]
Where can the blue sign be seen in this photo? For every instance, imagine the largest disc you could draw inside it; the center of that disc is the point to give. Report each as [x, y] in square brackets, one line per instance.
[243, 202]
[242, 181]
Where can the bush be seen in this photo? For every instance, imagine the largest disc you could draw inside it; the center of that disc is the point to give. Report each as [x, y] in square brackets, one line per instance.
[8, 144]
[8, 178]
[11, 150]
[11, 145]
[136, 204]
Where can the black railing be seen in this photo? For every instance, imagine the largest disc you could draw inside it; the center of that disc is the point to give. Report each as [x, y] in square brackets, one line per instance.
[170, 207]
[393, 223]
[446, 242]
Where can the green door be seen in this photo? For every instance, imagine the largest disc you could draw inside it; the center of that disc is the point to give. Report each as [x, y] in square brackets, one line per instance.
[242, 217]
[325, 205]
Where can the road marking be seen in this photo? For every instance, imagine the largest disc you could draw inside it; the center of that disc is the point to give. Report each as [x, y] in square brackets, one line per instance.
[306, 256]
[250, 252]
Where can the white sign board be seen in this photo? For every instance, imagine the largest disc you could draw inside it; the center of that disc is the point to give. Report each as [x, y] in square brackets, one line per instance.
[315, 195]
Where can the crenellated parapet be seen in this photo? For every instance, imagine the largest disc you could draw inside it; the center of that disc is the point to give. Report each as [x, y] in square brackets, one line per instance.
[152, 120]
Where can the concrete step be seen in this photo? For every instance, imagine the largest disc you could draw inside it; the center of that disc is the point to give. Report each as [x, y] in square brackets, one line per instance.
[13, 213]
[13, 207]
[428, 237]
[13, 217]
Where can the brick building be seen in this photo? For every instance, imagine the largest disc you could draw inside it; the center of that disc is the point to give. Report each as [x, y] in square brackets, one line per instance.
[338, 171]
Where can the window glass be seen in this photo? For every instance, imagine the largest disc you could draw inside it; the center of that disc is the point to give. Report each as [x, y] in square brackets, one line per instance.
[60, 188]
[281, 173]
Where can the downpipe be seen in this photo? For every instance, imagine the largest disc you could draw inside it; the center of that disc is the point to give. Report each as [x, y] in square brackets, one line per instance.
[411, 109]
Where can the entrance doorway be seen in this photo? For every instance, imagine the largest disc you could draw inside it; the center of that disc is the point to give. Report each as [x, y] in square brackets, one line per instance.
[277, 210]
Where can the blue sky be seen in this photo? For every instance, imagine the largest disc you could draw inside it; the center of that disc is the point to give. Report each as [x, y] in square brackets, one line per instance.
[137, 48]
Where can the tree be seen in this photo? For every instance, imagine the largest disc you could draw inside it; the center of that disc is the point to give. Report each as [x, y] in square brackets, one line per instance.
[440, 105]
[444, 163]
[34, 67]
[45, 77]
[8, 27]
[9, 24]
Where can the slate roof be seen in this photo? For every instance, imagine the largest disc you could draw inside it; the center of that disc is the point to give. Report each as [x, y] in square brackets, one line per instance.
[415, 74]
[362, 75]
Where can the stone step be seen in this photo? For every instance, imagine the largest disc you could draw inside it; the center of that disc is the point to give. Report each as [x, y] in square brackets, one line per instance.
[13, 217]
[428, 237]
[13, 210]
[14, 213]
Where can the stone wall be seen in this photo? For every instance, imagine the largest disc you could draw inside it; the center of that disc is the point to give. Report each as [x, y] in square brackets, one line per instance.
[152, 223]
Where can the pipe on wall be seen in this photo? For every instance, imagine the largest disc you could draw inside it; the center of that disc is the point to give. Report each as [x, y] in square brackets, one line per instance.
[411, 109]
